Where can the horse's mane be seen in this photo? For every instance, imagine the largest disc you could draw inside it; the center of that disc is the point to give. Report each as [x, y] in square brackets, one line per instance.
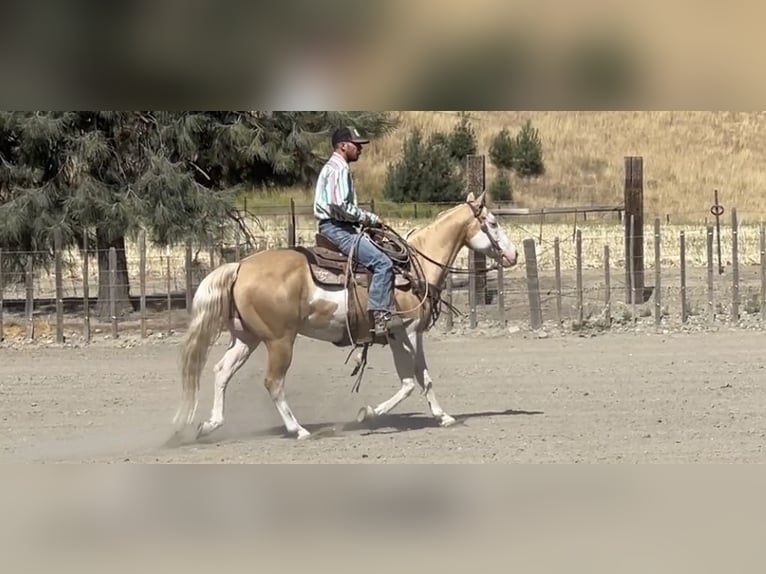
[413, 234]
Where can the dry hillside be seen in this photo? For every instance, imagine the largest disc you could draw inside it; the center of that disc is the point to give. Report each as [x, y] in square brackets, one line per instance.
[686, 156]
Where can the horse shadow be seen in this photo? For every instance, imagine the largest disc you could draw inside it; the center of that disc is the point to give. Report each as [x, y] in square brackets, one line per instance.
[392, 423]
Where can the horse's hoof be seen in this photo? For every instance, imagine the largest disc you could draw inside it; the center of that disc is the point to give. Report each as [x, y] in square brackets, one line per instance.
[364, 414]
[303, 434]
[447, 421]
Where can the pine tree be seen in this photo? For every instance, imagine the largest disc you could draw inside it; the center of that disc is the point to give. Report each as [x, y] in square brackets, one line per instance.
[462, 140]
[502, 151]
[173, 174]
[528, 152]
[425, 172]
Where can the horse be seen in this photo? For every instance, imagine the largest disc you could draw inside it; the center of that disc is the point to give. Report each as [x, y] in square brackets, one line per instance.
[272, 296]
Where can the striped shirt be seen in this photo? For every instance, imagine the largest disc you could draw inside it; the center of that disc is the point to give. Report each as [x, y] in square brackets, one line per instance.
[334, 195]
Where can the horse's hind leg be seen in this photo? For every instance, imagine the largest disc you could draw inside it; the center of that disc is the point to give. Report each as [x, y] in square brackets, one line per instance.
[280, 357]
[241, 347]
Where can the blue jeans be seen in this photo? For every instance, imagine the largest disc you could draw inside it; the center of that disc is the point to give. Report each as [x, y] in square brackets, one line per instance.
[380, 296]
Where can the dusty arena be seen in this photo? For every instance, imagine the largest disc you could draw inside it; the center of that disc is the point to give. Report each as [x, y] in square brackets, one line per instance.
[568, 397]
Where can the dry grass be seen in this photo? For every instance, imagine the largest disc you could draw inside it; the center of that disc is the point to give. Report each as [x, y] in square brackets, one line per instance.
[686, 156]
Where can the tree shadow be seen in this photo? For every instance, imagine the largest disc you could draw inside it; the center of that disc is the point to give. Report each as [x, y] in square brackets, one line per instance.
[386, 424]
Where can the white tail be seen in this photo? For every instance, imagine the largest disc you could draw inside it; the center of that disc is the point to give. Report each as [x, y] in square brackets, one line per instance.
[210, 313]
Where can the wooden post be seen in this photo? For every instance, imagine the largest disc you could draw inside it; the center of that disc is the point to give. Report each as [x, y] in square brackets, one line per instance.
[607, 289]
[475, 173]
[188, 270]
[634, 212]
[633, 289]
[557, 278]
[29, 279]
[472, 290]
[142, 279]
[734, 266]
[169, 285]
[501, 294]
[763, 279]
[113, 289]
[2, 289]
[533, 284]
[578, 271]
[684, 307]
[85, 288]
[710, 309]
[450, 318]
[291, 225]
[58, 267]
[657, 273]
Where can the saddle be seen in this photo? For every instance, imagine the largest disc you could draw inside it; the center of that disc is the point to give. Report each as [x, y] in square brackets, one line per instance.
[328, 265]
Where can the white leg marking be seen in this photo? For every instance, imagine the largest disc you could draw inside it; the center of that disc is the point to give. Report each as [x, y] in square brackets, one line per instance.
[404, 361]
[236, 356]
[288, 418]
[424, 378]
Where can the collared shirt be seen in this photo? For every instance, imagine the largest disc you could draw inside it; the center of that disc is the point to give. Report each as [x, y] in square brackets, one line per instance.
[334, 195]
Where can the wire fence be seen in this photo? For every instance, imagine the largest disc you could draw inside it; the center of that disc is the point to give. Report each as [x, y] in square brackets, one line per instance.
[571, 273]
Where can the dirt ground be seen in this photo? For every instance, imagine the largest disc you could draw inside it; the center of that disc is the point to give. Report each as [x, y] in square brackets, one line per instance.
[633, 397]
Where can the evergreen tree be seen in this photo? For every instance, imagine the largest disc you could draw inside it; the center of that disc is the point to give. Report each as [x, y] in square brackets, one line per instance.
[528, 152]
[171, 173]
[462, 140]
[502, 151]
[425, 172]
[500, 189]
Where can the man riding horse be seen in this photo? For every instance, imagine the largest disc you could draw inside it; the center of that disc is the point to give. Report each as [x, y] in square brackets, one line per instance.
[341, 220]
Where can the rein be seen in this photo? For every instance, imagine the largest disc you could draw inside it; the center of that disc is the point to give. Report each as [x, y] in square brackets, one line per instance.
[400, 251]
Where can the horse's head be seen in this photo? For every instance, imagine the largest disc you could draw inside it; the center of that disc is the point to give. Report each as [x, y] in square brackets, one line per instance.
[485, 234]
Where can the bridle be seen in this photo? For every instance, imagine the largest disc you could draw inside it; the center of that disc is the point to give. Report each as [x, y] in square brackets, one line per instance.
[484, 226]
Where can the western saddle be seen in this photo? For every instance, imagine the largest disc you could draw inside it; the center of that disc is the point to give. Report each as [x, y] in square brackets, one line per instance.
[329, 266]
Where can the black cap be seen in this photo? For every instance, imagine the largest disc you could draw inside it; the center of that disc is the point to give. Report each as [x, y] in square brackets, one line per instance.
[348, 134]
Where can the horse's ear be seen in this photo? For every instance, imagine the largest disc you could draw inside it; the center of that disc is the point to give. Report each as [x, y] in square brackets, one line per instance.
[471, 197]
[482, 198]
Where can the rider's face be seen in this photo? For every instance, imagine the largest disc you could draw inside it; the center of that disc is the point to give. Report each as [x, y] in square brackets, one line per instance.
[351, 150]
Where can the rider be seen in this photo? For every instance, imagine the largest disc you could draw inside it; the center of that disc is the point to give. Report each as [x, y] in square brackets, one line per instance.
[340, 220]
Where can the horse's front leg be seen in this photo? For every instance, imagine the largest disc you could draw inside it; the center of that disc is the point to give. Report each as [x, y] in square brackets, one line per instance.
[403, 350]
[426, 383]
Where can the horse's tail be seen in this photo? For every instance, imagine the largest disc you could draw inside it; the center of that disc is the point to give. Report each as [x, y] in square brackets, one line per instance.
[211, 309]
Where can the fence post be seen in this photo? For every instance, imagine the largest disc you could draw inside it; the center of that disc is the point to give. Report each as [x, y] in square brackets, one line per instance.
[607, 290]
[734, 266]
[188, 270]
[557, 277]
[291, 225]
[450, 318]
[85, 288]
[763, 279]
[142, 279]
[113, 289]
[634, 227]
[657, 273]
[472, 289]
[58, 267]
[533, 284]
[578, 271]
[501, 293]
[710, 309]
[29, 279]
[2, 289]
[684, 307]
[169, 285]
[475, 173]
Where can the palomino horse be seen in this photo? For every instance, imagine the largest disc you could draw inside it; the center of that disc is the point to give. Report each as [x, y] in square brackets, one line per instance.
[271, 296]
